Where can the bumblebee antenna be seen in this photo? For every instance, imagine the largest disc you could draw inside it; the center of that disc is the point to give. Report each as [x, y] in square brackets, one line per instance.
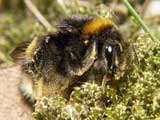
[113, 60]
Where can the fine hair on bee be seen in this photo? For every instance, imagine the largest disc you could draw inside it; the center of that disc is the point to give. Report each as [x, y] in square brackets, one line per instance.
[85, 48]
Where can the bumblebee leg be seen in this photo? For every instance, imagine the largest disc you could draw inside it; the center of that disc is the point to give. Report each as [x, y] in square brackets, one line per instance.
[87, 62]
[105, 79]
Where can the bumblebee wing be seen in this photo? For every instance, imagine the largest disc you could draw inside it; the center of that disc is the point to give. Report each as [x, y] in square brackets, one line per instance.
[18, 53]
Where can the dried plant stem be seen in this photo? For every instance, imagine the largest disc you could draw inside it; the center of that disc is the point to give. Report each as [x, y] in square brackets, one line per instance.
[38, 15]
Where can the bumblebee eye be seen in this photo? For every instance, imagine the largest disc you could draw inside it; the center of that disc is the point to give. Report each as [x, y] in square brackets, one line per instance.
[110, 53]
[109, 49]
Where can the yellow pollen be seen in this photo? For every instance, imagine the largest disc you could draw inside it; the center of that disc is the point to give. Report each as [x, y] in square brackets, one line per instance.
[97, 25]
[31, 48]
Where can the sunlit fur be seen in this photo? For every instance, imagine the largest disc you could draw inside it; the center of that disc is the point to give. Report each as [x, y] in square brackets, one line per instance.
[96, 25]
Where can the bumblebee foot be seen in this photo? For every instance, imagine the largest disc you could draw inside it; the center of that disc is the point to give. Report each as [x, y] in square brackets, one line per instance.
[106, 78]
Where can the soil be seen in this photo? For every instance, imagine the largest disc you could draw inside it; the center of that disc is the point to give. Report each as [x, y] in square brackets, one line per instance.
[12, 104]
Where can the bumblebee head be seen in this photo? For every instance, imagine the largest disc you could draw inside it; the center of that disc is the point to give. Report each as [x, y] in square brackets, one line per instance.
[101, 31]
[111, 53]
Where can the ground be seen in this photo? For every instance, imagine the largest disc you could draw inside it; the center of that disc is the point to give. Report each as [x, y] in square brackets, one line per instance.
[13, 106]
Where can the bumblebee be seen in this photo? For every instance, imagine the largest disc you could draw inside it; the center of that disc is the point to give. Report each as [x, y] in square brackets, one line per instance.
[84, 49]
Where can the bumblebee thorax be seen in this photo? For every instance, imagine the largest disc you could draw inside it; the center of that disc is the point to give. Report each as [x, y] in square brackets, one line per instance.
[97, 25]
